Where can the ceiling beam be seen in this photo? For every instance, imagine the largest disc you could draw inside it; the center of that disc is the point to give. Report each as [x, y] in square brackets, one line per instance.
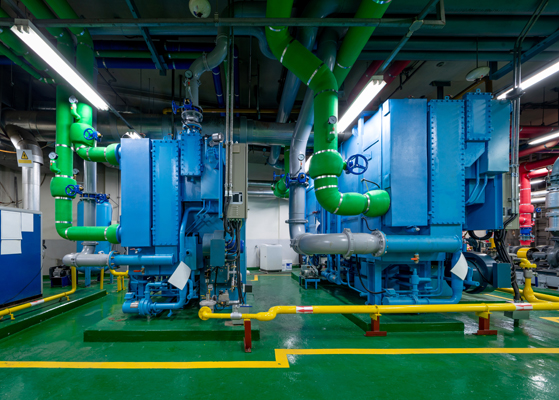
[234, 22]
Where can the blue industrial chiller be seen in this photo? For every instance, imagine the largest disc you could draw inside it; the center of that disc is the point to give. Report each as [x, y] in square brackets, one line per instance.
[177, 221]
[442, 163]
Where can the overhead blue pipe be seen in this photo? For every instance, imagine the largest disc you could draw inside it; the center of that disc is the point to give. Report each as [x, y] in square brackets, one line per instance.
[141, 46]
[139, 63]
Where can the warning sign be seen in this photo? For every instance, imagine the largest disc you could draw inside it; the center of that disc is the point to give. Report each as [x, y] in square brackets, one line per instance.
[24, 158]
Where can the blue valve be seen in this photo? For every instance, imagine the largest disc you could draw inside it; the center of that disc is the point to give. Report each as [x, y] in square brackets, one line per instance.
[72, 190]
[357, 164]
[101, 198]
[90, 134]
[277, 176]
[175, 107]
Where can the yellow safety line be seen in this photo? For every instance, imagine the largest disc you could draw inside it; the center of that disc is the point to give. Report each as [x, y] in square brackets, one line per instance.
[281, 358]
[552, 319]
[499, 297]
[255, 278]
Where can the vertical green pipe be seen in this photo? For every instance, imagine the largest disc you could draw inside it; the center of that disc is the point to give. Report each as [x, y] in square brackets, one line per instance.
[326, 164]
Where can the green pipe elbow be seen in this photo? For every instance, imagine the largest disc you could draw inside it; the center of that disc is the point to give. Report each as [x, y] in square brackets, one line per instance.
[280, 189]
[77, 131]
[379, 203]
[58, 186]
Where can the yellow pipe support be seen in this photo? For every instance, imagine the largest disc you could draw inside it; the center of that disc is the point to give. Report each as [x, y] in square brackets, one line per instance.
[205, 313]
[102, 278]
[10, 311]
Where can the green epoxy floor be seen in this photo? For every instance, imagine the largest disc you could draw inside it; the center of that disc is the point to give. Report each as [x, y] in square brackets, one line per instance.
[434, 376]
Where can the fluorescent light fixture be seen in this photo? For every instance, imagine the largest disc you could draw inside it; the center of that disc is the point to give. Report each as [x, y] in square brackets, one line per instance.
[540, 76]
[544, 138]
[538, 200]
[133, 135]
[536, 181]
[539, 193]
[375, 85]
[33, 38]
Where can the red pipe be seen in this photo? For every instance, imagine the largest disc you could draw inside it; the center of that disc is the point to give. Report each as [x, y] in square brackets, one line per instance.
[526, 208]
[529, 131]
[540, 147]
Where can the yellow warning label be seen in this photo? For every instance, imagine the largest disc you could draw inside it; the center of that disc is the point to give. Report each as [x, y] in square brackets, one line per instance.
[23, 159]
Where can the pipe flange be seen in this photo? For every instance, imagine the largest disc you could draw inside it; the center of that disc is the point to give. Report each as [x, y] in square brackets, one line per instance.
[381, 238]
[296, 221]
[350, 243]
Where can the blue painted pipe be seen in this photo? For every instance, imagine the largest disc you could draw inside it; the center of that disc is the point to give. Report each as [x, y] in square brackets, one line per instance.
[422, 244]
[139, 63]
[138, 259]
[141, 46]
[216, 72]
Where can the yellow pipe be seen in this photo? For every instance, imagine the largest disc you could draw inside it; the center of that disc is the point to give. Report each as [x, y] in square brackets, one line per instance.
[102, 278]
[539, 296]
[205, 313]
[119, 278]
[10, 311]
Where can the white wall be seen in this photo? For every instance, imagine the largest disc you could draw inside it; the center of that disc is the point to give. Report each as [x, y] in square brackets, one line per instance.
[266, 225]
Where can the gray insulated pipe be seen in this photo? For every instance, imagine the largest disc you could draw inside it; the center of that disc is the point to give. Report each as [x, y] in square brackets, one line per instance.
[154, 126]
[345, 243]
[87, 257]
[552, 202]
[214, 58]
[30, 177]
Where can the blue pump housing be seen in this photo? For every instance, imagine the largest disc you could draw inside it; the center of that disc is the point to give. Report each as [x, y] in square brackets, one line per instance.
[442, 162]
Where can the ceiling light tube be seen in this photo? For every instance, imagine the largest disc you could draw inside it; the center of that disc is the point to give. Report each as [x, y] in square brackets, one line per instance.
[371, 90]
[33, 38]
[538, 200]
[544, 138]
[536, 181]
[539, 193]
[540, 76]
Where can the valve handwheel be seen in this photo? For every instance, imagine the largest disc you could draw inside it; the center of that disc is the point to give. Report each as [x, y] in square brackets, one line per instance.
[70, 190]
[357, 164]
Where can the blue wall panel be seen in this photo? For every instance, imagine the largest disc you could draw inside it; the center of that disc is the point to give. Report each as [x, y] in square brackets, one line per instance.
[136, 192]
[166, 203]
[20, 274]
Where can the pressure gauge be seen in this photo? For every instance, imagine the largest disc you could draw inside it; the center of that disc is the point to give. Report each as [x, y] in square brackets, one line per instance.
[188, 74]
[53, 155]
[332, 120]
[76, 171]
[301, 157]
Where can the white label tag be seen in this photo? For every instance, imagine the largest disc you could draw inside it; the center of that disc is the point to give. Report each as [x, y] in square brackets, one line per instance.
[461, 268]
[303, 309]
[524, 306]
[180, 276]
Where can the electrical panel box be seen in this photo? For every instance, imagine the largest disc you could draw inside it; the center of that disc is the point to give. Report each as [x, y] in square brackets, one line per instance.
[238, 206]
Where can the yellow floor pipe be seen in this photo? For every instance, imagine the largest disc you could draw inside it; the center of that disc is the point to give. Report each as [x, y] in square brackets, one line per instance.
[119, 279]
[10, 311]
[375, 310]
[539, 296]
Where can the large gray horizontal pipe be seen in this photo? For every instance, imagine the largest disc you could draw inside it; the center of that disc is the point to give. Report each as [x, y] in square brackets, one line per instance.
[346, 243]
[30, 177]
[43, 125]
[87, 257]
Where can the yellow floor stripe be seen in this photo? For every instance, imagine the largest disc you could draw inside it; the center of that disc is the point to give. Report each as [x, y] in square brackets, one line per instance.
[280, 362]
[499, 297]
[552, 319]
[255, 278]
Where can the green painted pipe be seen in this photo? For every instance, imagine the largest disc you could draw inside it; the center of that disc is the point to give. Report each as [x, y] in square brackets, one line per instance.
[356, 38]
[326, 164]
[279, 188]
[41, 11]
[146, 54]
